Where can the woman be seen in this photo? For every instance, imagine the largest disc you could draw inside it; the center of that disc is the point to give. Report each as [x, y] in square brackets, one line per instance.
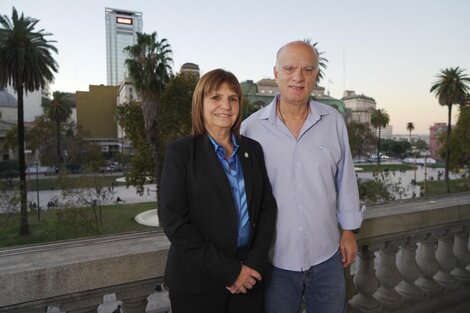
[217, 207]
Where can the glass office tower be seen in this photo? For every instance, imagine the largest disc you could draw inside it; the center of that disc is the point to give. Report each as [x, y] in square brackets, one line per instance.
[121, 29]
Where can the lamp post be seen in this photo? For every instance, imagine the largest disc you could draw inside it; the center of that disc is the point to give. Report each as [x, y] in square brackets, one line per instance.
[425, 172]
[37, 191]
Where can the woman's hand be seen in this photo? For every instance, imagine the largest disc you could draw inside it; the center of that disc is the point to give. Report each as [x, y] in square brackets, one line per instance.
[245, 280]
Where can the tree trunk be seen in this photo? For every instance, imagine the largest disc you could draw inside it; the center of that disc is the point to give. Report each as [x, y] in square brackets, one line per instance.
[24, 226]
[378, 150]
[59, 156]
[150, 109]
[449, 129]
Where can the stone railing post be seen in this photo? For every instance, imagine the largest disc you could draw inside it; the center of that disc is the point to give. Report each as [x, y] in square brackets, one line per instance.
[428, 265]
[461, 251]
[447, 262]
[389, 277]
[366, 284]
[409, 270]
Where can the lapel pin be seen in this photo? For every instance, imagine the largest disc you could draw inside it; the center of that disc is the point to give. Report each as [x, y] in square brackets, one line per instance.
[246, 155]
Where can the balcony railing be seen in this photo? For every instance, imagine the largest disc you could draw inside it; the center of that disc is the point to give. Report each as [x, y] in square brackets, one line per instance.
[414, 257]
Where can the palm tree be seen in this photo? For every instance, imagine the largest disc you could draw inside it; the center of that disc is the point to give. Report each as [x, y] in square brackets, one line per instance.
[26, 63]
[450, 88]
[322, 61]
[410, 127]
[379, 119]
[149, 68]
[58, 109]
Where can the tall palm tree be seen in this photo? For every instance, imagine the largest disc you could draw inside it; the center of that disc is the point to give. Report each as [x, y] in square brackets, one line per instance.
[379, 119]
[322, 60]
[410, 127]
[451, 87]
[26, 63]
[58, 109]
[149, 68]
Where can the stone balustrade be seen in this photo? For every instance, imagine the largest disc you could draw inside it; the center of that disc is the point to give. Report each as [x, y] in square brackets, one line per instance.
[413, 257]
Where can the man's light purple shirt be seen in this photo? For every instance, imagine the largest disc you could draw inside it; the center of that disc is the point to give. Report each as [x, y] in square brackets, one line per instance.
[313, 181]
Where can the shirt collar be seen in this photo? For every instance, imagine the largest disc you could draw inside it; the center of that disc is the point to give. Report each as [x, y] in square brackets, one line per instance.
[220, 149]
[270, 111]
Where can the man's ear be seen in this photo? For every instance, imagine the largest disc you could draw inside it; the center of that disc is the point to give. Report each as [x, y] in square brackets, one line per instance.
[275, 71]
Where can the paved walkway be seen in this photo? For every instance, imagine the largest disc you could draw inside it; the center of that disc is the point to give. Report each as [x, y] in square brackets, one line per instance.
[126, 194]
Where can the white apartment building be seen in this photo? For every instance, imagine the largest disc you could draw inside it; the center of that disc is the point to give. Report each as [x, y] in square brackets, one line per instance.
[121, 29]
[361, 106]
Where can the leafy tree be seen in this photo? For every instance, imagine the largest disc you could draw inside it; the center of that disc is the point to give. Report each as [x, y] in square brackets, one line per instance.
[410, 127]
[149, 68]
[26, 63]
[322, 60]
[451, 87]
[460, 141]
[175, 113]
[58, 109]
[174, 121]
[421, 144]
[142, 164]
[379, 119]
[395, 148]
[360, 137]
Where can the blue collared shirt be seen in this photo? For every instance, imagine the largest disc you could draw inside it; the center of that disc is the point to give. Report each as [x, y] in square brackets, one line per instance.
[234, 172]
[313, 181]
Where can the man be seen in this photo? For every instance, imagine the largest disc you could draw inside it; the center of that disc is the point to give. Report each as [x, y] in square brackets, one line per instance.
[309, 164]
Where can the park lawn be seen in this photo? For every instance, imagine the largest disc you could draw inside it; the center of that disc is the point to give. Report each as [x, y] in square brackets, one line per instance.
[63, 224]
[385, 167]
[436, 188]
[78, 181]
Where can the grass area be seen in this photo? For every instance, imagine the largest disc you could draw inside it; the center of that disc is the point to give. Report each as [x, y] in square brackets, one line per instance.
[61, 224]
[385, 167]
[436, 188]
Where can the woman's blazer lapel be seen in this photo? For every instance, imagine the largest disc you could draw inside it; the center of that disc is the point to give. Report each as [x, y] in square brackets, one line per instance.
[207, 159]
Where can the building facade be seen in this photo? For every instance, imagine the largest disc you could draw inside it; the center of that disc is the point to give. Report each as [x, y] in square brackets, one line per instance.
[96, 116]
[361, 106]
[121, 31]
[261, 93]
[8, 120]
[435, 133]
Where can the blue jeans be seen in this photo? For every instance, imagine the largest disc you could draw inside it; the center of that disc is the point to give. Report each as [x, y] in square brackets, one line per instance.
[322, 288]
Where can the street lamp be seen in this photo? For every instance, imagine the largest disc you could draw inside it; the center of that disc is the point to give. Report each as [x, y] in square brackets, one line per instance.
[37, 190]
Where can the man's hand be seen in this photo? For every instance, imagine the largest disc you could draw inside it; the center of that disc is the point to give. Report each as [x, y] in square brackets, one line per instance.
[348, 247]
[245, 280]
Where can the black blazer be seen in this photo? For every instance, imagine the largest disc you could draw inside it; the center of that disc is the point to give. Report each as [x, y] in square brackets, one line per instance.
[199, 215]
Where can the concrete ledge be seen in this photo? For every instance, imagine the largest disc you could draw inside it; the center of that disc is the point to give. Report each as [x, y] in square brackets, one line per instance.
[415, 215]
[47, 271]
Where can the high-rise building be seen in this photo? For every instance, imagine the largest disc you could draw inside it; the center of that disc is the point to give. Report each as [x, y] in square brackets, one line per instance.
[121, 29]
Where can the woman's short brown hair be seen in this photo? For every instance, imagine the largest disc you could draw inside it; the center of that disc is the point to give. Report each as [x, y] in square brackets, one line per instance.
[209, 82]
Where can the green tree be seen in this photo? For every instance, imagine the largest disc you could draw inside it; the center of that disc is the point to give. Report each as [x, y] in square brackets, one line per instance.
[26, 63]
[460, 141]
[421, 144]
[410, 127]
[322, 61]
[451, 87]
[58, 109]
[149, 68]
[175, 113]
[379, 119]
[360, 137]
[142, 164]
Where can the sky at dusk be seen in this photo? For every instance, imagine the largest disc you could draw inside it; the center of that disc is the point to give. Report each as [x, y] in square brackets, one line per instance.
[387, 50]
